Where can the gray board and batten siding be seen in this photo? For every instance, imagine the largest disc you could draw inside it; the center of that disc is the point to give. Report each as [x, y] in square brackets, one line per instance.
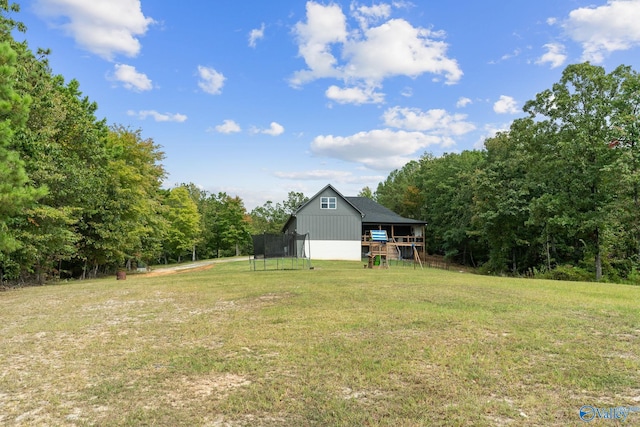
[339, 227]
[340, 223]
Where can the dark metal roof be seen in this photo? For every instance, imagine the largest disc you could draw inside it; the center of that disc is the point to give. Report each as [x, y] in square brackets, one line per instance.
[373, 212]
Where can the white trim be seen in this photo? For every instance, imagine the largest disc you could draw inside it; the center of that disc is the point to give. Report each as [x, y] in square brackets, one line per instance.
[326, 200]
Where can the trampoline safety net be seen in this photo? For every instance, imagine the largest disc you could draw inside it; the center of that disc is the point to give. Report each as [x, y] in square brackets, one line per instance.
[280, 248]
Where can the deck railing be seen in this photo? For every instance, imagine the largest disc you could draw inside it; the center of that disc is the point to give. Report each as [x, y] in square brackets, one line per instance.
[398, 240]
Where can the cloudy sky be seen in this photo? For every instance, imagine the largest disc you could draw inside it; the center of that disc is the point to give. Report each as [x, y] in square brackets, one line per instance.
[259, 98]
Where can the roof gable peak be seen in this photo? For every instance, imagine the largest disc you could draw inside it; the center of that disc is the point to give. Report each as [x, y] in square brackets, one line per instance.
[325, 188]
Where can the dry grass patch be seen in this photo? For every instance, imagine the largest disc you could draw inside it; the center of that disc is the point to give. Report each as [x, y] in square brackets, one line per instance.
[332, 346]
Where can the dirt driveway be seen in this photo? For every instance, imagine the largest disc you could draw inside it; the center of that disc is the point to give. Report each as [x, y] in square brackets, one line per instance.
[192, 266]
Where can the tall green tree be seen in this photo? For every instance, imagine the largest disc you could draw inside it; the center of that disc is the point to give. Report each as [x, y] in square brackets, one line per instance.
[626, 167]
[184, 224]
[501, 202]
[229, 225]
[131, 215]
[16, 194]
[201, 198]
[578, 110]
[268, 218]
[399, 193]
[271, 217]
[103, 182]
[63, 149]
[224, 223]
[367, 192]
[81, 177]
[48, 231]
[446, 188]
[96, 204]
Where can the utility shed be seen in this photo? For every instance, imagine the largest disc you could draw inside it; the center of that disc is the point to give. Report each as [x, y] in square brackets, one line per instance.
[339, 227]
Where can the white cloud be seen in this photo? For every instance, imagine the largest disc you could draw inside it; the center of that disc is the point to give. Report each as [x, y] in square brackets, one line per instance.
[463, 102]
[382, 149]
[308, 181]
[131, 78]
[354, 95]
[507, 56]
[312, 175]
[103, 27]
[255, 35]
[435, 122]
[274, 130]
[388, 149]
[605, 29]
[407, 92]
[326, 25]
[228, 126]
[368, 55]
[397, 48]
[513, 54]
[211, 81]
[367, 15]
[506, 105]
[158, 117]
[555, 55]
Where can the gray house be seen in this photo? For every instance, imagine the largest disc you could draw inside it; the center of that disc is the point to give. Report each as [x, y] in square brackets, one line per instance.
[339, 227]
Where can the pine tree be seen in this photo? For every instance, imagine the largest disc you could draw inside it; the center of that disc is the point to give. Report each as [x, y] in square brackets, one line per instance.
[15, 193]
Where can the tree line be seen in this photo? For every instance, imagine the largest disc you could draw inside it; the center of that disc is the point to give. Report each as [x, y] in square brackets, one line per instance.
[80, 198]
[557, 195]
[76, 196]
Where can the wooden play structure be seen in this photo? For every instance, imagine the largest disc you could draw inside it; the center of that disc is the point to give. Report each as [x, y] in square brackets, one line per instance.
[382, 249]
[378, 249]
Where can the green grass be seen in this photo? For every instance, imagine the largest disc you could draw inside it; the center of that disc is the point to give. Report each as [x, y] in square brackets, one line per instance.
[337, 345]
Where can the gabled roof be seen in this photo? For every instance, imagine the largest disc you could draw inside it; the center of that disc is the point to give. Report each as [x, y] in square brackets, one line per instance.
[314, 197]
[320, 192]
[374, 212]
[371, 211]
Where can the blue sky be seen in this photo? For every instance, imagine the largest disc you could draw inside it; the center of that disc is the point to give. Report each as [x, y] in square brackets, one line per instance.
[259, 98]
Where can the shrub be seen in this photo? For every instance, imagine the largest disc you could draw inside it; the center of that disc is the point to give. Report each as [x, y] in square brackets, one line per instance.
[633, 278]
[568, 273]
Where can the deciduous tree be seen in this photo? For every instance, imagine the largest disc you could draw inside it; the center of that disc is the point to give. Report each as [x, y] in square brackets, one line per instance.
[183, 221]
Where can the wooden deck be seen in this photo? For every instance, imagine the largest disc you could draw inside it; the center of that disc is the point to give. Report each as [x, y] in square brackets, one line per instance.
[394, 243]
[399, 240]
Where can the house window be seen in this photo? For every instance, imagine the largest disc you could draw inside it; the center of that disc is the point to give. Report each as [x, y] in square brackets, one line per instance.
[327, 202]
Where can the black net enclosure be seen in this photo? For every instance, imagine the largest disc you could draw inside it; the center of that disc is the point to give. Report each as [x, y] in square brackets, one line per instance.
[281, 251]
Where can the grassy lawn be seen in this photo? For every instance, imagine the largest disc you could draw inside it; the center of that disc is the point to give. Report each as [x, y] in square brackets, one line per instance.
[338, 345]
